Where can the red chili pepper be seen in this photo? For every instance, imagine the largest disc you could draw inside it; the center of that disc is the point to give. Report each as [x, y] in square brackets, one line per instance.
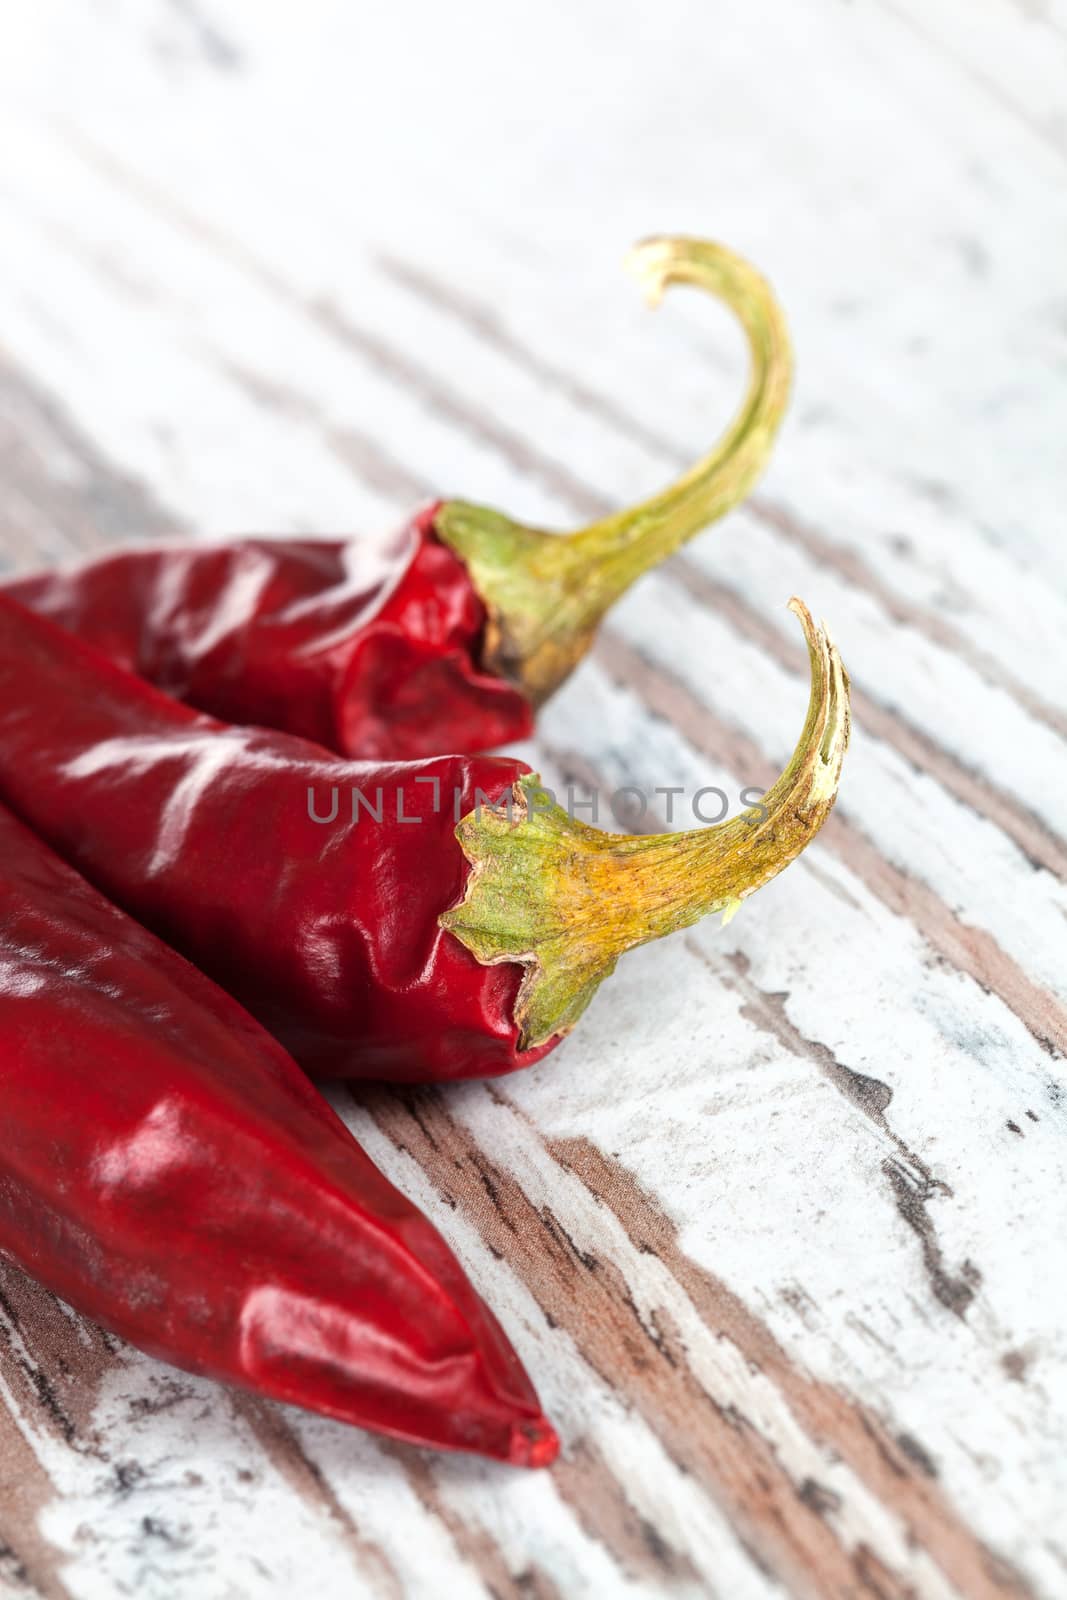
[396, 947]
[445, 637]
[169, 1170]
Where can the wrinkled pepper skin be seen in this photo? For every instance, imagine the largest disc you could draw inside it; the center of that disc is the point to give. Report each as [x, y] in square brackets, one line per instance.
[326, 932]
[167, 1169]
[369, 648]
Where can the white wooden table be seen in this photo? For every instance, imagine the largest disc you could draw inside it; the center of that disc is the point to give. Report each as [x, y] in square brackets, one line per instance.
[780, 1231]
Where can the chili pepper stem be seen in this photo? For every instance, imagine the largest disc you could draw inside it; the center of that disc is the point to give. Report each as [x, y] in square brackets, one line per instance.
[545, 593]
[565, 900]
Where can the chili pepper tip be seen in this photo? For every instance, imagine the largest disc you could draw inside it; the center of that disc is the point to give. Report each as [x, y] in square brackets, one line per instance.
[533, 1444]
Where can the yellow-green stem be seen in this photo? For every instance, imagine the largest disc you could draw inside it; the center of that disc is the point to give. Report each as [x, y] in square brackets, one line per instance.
[544, 592]
[565, 900]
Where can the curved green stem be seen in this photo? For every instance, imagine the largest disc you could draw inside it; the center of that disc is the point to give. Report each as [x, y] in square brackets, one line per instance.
[565, 900]
[545, 593]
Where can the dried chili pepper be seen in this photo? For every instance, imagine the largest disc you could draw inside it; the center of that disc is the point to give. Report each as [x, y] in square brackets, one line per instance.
[169, 1170]
[339, 901]
[443, 638]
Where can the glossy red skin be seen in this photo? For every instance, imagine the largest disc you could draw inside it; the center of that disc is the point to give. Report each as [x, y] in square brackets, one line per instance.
[168, 1169]
[369, 647]
[328, 933]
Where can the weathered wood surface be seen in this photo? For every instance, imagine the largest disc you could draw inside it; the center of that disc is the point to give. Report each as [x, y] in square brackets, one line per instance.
[780, 1231]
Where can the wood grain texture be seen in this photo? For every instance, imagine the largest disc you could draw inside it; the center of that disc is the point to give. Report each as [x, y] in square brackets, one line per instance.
[780, 1230]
